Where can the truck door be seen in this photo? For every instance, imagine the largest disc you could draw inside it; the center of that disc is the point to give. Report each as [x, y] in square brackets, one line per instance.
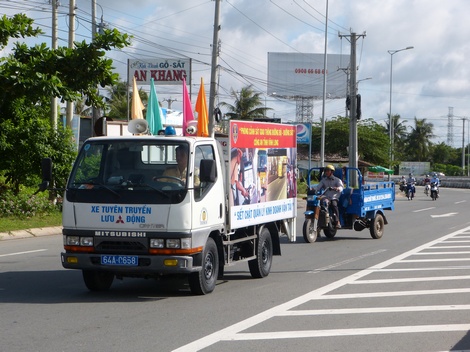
[209, 204]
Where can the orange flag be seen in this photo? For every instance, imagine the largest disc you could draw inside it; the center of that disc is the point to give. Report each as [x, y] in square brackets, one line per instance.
[137, 105]
[202, 114]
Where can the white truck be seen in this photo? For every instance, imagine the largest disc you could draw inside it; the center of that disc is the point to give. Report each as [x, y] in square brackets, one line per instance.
[124, 216]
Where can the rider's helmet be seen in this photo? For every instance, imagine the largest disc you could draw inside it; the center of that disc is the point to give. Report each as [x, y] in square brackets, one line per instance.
[330, 167]
[434, 174]
[410, 174]
[427, 175]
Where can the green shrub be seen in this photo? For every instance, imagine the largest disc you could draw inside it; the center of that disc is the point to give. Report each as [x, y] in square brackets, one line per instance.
[301, 187]
[25, 204]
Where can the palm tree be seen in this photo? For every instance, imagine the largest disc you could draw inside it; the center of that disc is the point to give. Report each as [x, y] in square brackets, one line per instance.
[117, 101]
[400, 134]
[419, 140]
[247, 105]
[81, 109]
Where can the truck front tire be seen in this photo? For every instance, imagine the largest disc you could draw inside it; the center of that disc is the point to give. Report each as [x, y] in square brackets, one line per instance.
[203, 282]
[97, 280]
[261, 266]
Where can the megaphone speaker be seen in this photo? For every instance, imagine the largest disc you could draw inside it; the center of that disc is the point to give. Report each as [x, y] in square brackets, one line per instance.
[191, 128]
[138, 126]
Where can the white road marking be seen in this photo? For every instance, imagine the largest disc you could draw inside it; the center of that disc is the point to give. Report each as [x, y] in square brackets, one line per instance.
[335, 265]
[19, 253]
[342, 311]
[444, 215]
[233, 332]
[462, 201]
[347, 332]
[425, 209]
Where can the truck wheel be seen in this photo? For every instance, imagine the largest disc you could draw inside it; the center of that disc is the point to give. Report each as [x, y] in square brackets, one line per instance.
[97, 280]
[203, 282]
[309, 231]
[377, 227]
[261, 266]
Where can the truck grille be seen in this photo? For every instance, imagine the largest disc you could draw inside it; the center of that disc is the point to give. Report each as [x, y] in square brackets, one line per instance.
[121, 247]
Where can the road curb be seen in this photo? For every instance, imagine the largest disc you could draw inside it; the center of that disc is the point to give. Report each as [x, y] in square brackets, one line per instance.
[28, 233]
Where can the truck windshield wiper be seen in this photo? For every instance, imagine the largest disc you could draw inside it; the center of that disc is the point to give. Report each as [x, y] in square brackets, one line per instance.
[93, 183]
[149, 186]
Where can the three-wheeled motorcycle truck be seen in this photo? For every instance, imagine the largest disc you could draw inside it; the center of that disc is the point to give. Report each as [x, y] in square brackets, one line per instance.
[360, 205]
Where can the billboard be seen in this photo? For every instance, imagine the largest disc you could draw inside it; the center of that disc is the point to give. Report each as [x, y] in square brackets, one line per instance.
[301, 75]
[263, 163]
[163, 71]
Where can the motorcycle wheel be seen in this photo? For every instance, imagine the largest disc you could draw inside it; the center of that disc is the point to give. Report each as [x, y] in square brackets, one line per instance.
[309, 231]
[330, 231]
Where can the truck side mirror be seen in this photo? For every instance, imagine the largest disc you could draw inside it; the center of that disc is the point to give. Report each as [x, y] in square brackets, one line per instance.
[46, 167]
[207, 170]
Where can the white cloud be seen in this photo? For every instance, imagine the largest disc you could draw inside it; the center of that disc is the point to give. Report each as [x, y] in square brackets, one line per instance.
[427, 80]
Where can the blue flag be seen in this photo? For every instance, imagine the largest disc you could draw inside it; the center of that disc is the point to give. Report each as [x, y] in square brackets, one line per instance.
[154, 112]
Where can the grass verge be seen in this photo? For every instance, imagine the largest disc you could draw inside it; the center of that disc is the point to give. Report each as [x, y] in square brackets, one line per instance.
[45, 220]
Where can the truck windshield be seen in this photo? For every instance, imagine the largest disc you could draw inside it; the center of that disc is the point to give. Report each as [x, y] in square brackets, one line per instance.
[130, 171]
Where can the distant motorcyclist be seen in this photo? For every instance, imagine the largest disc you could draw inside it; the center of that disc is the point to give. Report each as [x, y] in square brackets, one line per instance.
[410, 183]
[403, 184]
[436, 180]
[427, 183]
[333, 187]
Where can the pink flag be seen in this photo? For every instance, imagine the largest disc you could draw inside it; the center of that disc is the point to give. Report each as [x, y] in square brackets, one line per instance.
[187, 109]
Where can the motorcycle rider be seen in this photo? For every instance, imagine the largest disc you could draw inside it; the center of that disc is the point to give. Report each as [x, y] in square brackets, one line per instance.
[410, 182]
[403, 184]
[437, 181]
[427, 183]
[333, 187]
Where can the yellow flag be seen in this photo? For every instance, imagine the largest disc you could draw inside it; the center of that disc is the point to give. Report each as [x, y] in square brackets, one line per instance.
[137, 106]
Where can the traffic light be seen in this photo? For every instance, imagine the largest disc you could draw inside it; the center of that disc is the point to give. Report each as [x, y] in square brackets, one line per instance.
[358, 106]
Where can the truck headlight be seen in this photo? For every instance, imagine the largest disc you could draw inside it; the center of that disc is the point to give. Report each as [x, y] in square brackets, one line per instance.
[86, 241]
[173, 243]
[72, 240]
[157, 243]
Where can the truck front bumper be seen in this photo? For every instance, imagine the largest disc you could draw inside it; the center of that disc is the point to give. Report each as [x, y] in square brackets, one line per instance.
[148, 265]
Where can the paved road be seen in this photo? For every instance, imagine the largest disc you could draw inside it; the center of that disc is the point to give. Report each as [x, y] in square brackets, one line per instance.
[407, 291]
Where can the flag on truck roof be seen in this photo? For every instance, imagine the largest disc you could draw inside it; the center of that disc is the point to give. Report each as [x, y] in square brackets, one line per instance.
[137, 105]
[187, 109]
[154, 111]
[202, 114]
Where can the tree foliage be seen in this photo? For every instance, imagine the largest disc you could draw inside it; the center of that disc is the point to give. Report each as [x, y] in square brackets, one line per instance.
[29, 78]
[118, 102]
[372, 139]
[247, 105]
[419, 140]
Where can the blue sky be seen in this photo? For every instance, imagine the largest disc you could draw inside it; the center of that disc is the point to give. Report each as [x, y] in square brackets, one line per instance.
[427, 80]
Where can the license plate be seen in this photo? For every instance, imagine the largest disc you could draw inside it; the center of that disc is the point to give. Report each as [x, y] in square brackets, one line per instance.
[125, 260]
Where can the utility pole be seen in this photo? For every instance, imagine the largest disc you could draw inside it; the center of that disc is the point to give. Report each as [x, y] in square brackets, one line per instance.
[54, 47]
[323, 117]
[353, 148]
[69, 111]
[169, 101]
[95, 111]
[214, 67]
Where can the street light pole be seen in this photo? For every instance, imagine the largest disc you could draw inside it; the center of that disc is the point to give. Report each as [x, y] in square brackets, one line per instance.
[390, 120]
